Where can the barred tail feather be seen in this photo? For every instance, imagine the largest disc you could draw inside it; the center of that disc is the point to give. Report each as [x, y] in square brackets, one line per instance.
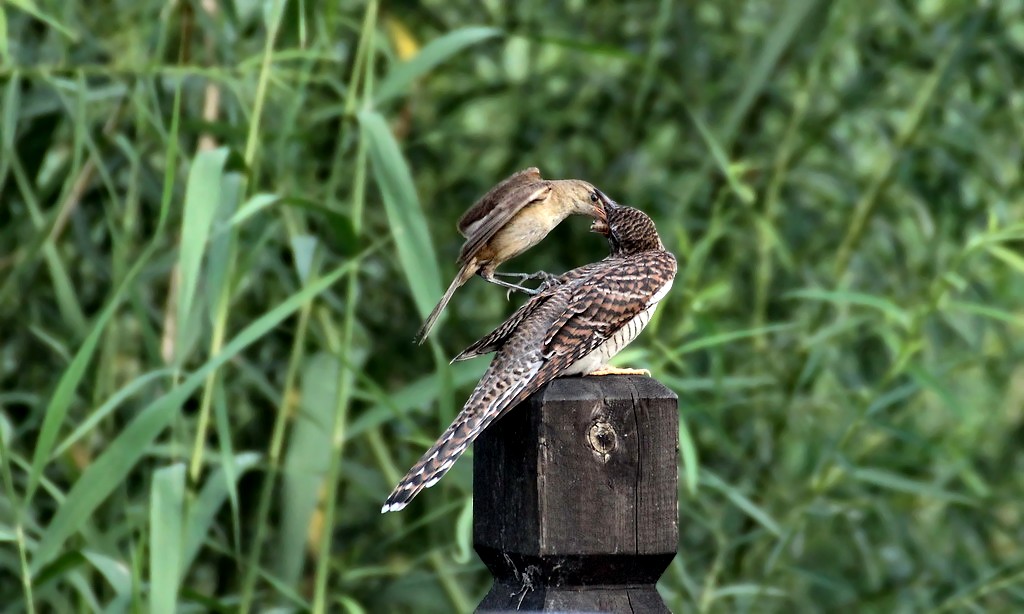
[428, 470]
[475, 416]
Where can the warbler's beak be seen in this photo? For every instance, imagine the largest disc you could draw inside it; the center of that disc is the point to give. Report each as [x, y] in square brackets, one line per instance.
[601, 208]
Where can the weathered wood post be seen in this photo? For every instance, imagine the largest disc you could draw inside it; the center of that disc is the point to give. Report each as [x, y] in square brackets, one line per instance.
[575, 497]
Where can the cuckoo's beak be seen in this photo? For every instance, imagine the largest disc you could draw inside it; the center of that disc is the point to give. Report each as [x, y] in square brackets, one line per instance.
[601, 209]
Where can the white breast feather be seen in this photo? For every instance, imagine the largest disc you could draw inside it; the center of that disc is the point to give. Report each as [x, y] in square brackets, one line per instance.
[604, 352]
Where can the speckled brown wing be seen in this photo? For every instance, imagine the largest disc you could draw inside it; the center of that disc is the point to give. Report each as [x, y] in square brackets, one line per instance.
[604, 302]
[481, 208]
[497, 338]
[513, 201]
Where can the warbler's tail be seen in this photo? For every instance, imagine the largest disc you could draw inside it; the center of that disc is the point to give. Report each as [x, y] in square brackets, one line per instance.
[467, 271]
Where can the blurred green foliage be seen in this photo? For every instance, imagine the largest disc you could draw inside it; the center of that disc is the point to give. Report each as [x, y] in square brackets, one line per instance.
[221, 223]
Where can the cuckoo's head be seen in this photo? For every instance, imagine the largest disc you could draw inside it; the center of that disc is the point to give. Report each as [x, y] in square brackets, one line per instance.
[628, 230]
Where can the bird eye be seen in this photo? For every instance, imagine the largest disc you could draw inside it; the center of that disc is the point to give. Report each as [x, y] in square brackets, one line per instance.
[593, 197]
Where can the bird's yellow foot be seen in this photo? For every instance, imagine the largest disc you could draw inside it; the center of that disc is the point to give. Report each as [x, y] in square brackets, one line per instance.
[610, 370]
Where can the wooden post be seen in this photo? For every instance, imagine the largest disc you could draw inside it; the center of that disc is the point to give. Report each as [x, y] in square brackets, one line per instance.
[575, 497]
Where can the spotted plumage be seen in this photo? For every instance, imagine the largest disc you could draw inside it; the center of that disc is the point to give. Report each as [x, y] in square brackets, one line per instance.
[510, 219]
[574, 325]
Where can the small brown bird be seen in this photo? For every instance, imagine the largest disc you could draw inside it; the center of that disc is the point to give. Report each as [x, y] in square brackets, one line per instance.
[510, 219]
[573, 326]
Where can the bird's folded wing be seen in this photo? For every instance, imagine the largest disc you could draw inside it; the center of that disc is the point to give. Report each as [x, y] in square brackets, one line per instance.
[470, 219]
[514, 201]
[497, 338]
[602, 305]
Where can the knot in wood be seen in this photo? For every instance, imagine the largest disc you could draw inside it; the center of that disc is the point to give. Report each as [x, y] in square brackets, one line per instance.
[602, 438]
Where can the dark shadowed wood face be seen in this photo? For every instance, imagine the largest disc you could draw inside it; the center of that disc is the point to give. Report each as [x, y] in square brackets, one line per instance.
[575, 492]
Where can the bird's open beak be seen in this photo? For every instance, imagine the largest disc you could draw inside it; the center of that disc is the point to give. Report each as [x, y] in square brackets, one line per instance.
[601, 208]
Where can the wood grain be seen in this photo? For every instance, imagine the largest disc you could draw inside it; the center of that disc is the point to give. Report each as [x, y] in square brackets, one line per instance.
[575, 497]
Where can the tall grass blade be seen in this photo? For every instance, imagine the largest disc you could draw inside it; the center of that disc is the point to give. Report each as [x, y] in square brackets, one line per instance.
[429, 57]
[64, 395]
[742, 502]
[405, 216]
[166, 529]
[306, 462]
[782, 35]
[5, 48]
[220, 486]
[202, 200]
[110, 468]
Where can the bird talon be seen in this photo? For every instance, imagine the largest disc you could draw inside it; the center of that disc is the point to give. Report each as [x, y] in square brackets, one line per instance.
[543, 276]
[549, 283]
[511, 287]
[539, 275]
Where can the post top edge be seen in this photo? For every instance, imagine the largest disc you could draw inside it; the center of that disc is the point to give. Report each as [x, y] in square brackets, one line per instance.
[605, 387]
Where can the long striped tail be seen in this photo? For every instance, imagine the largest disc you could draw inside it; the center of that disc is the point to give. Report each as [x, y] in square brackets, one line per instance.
[467, 271]
[489, 401]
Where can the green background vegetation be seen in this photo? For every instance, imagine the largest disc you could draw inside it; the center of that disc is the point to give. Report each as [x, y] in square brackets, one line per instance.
[220, 231]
